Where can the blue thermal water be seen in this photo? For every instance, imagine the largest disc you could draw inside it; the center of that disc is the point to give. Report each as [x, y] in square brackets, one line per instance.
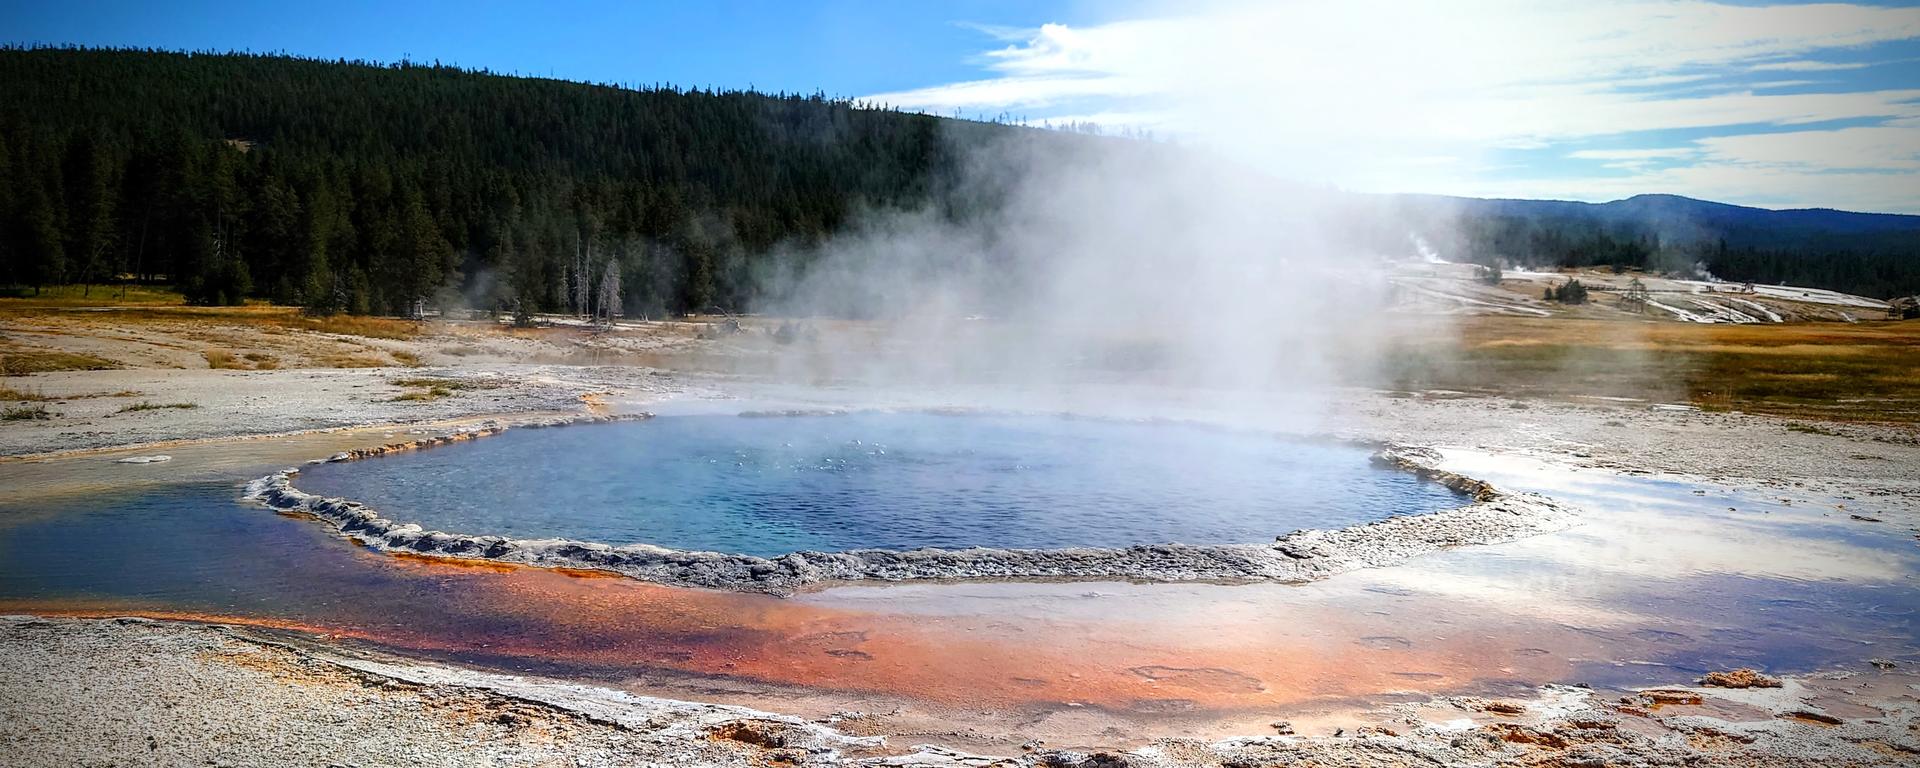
[767, 486]
[1663, 580]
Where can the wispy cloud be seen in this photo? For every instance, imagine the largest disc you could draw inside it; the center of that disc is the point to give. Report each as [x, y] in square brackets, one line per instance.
[1634, 154]
[1807, 66]
[1348, 93]
[1884, 148]
[1635, 159]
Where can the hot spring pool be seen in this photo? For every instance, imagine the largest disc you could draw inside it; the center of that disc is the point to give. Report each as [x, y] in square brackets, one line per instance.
[768, 486]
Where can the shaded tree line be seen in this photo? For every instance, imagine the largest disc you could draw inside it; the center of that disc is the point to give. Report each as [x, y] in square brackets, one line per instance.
[357, 187]
[1881, 264]
[350, 186]
[1569, 292]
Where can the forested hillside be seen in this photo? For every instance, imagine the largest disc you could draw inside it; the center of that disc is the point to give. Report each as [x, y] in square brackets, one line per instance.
[364, 188]
[355, 187]
[1872, 254]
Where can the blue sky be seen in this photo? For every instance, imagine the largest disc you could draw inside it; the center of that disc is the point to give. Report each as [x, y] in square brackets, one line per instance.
[1779, 105]
[846, 48]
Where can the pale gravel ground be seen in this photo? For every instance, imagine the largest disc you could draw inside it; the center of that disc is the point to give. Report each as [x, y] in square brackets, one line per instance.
[90, 693]
[240, 403]
[134, 692]
[1727, 448]
[81, 692]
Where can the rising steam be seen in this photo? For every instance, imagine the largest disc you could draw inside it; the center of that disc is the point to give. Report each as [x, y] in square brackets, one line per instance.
[1100, 264]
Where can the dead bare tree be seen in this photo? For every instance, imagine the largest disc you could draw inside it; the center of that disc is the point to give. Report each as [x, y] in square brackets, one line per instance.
[609, 292]
[1636, 297]
[582, 254]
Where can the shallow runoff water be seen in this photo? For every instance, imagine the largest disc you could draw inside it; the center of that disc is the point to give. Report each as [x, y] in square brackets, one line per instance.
[1663, 580]
[771, 485]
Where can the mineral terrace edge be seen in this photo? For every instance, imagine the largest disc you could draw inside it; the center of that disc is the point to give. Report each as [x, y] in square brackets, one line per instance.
[1494, 516]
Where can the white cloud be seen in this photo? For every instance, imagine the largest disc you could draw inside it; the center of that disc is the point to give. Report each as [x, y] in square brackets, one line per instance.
[1348, 93]
[1634, 159]
[1807, 66]
[1634, 154]
[1884, 148]
[1874, 168]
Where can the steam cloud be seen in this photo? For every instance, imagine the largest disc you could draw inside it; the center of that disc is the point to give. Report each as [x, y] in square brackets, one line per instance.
[1219, 268]
[1102, 265]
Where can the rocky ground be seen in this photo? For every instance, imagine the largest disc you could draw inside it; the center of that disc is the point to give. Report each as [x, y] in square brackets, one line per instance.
[76, 692]
[1733, 449]
[133, 691]
[229, 404]
[136, 692]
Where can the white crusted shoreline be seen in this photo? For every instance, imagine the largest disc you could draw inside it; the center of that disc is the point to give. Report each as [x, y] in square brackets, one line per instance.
[145, 692]
[1494, 516]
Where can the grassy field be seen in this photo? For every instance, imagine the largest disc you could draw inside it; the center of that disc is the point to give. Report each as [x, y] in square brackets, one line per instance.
[92, 296]
[252, 337]
[19, 360]
[262, 315]
[160, 304]
[421, 388]
[1838, 371]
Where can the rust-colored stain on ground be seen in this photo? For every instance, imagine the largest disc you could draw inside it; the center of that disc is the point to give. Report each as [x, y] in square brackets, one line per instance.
[101, 610]
[443, 562]
[1128, 660]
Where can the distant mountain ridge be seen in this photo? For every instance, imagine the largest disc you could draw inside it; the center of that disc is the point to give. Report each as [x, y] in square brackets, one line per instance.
[1659, 209]
[1870, 254]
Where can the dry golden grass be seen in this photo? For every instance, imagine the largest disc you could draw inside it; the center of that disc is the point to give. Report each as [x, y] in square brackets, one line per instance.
[1851, 372]
[8, 393]
[1862, 371]
[18, 361]
[434, 387]
[250, 361]
[21, 395]
[348, 360]
[1810, 429]
[259, 315]
[25, 412]
[433, 393]
[436, 381]
[220, 359]
[222, 336]
[148, 304]
[352, 325]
